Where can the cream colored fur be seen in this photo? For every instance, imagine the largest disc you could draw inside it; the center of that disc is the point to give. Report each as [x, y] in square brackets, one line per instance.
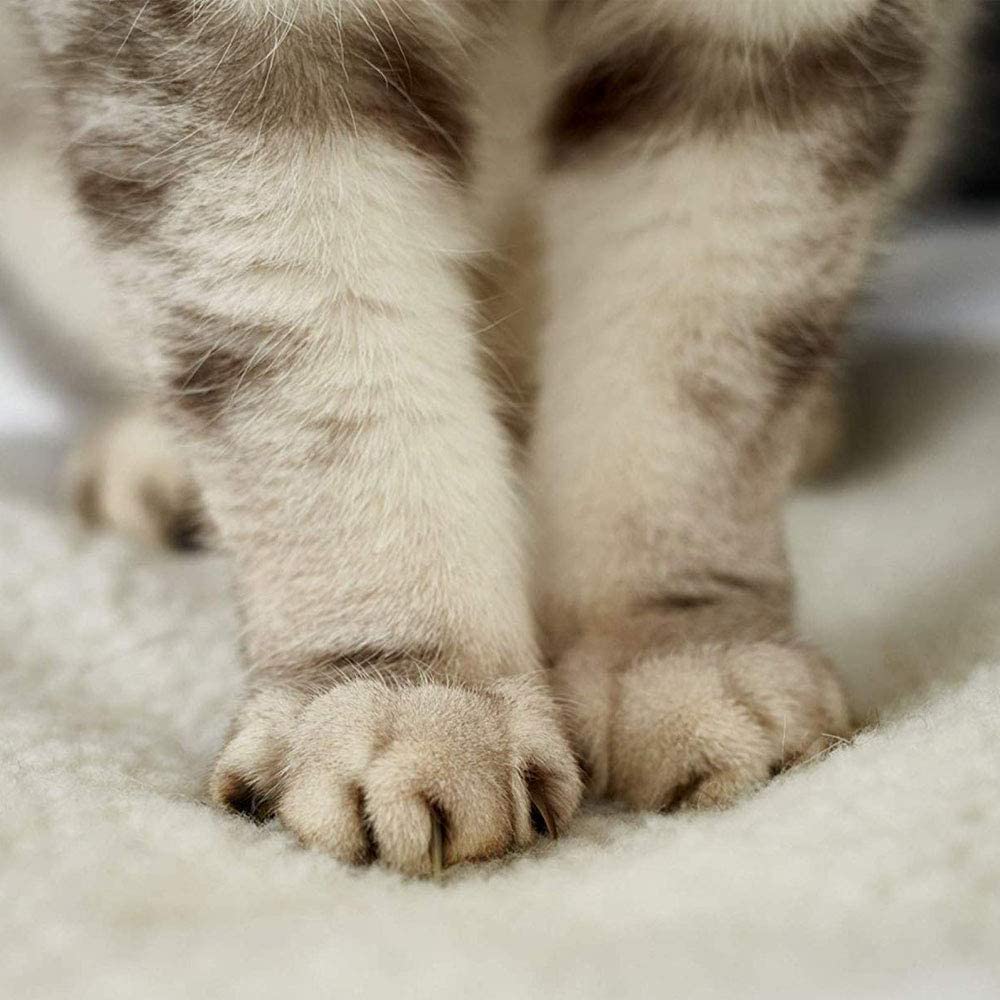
[361, 481]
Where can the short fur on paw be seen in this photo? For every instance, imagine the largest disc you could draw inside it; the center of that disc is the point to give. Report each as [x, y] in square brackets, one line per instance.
[131, 477]
[696, 726]
[417, 776]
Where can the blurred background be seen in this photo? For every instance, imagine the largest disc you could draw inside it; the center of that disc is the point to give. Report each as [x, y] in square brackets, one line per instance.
[972, 169]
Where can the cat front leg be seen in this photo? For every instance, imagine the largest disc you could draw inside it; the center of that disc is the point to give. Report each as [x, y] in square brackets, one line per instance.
[282, 192]
[712, 200]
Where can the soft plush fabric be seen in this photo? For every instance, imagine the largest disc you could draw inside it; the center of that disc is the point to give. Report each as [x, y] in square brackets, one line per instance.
[874, 871]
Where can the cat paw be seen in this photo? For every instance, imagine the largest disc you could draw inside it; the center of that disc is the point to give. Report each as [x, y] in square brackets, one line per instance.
[699, 726]
[416, 776]
[131, 478]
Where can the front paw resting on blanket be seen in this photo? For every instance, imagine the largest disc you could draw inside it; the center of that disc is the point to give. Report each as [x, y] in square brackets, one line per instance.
[699, 725]
[415, 775]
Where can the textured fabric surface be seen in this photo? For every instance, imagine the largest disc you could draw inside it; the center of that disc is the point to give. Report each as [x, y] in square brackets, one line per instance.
[874, 871]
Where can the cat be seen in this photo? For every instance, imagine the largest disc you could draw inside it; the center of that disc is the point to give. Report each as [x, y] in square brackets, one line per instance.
[488, 339]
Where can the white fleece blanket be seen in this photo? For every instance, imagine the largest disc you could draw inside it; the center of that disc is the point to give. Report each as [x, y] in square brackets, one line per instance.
[872, 872]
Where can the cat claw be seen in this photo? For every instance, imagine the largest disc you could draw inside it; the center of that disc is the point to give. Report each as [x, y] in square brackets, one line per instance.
[536, 793]
[435, 850]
